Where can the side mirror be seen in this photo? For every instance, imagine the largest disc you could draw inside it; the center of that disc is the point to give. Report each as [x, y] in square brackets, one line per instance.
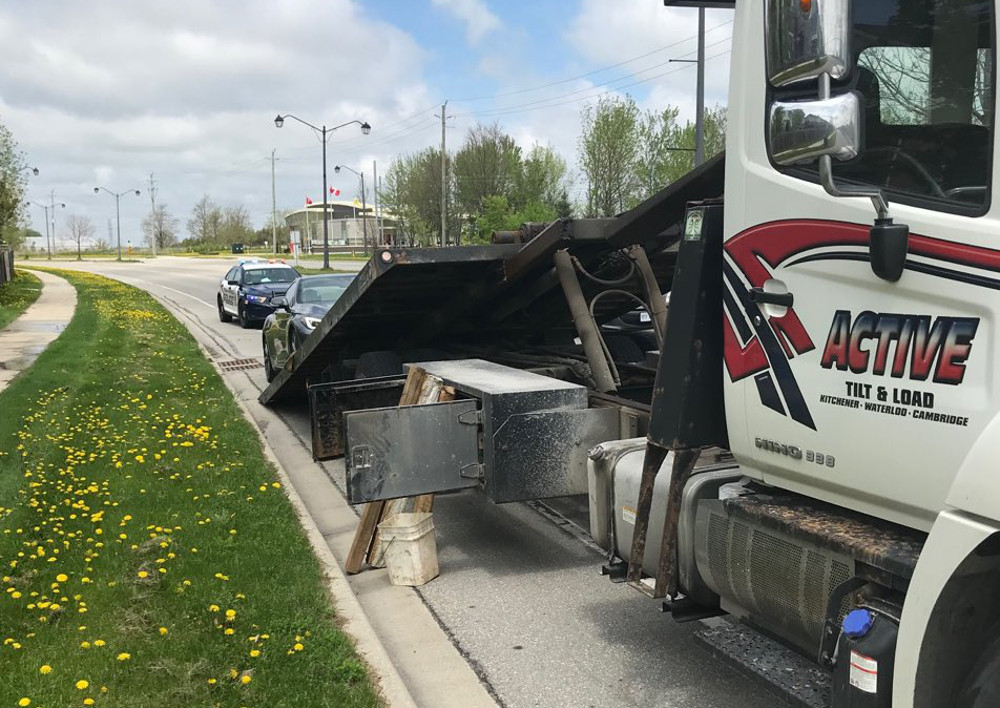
[802, 131]
[807, 38]
[280, 302]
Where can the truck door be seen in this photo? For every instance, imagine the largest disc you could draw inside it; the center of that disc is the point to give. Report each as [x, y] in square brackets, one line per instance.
[847, 387]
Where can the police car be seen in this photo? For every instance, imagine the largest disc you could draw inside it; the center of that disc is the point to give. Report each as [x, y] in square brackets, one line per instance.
[247, 289]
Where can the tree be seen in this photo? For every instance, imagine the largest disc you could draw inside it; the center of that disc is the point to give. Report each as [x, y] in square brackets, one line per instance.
[80, 229]
[161, 226]
[609, 149]
[206, 218]
[13, 178]
[542, 178]
[235, 225]
[411, 191]
[487, 165]
[17, 237]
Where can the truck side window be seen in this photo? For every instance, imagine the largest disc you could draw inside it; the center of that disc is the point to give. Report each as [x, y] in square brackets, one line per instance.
[925, 74]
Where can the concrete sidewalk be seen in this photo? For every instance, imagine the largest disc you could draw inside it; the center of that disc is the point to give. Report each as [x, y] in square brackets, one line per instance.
[26, 337]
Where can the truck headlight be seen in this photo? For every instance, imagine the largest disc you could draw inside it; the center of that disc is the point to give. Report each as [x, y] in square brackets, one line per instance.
[311, 322]
[257, 299]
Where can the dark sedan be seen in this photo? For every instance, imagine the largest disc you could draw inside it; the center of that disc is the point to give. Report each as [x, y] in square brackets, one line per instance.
[296, 315]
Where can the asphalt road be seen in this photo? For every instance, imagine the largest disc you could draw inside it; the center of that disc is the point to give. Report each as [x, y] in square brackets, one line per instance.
[521, 599]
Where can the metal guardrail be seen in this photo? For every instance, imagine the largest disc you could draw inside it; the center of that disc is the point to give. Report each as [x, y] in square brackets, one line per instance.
[6, 265]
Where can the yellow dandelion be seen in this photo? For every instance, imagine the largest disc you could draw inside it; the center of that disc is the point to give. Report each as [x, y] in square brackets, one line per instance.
[245, 679]
[211, 682]
[230, 614]
[142, 574]
[99, 642]
[88, 701]
[298, 647]
[45, 669]
[229, 631]
[163, 631]
[24, 702]
[255, 653]
[62, 577]
[213, 608]
[124, 656]
[82, 684]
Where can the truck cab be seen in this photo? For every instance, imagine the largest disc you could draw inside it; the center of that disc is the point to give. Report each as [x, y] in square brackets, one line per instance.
[876, 392]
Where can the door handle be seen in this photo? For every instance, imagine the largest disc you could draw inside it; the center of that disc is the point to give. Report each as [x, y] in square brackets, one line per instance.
[766, 298]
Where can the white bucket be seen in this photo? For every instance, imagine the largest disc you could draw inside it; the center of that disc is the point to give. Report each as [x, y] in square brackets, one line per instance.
[410, 548]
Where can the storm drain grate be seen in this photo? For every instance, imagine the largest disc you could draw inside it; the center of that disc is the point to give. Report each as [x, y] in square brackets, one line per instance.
[240, 364]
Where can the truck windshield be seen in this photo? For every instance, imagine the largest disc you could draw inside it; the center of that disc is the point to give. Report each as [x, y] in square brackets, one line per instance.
[925, 73]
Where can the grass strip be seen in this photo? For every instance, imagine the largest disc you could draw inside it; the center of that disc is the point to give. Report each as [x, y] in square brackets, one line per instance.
[17, 295]
[148, 556]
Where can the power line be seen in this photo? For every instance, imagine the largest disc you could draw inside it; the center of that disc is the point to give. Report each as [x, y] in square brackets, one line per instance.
[589, 73]
[547, 103]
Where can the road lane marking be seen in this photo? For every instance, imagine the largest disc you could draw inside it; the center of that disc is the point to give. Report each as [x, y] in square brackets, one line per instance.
[181, 292]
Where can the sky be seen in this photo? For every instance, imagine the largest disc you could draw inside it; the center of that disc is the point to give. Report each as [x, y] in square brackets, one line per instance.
[109, 92]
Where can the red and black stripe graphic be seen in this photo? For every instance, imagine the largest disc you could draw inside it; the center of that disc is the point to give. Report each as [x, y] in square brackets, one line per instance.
[764, 347]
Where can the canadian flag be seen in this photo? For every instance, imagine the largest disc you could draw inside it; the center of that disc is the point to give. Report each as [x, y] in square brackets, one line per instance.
[334, 192]
[308, 200]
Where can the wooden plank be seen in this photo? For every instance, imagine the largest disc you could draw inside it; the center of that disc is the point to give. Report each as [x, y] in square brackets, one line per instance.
[371, 514]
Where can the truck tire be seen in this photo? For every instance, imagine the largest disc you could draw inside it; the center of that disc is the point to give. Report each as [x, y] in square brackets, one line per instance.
[624, 350]
[374, 364]
[982, 686]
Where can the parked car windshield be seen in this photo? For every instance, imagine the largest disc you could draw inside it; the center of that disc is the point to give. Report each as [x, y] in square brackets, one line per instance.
[324, 289]
[259, 276]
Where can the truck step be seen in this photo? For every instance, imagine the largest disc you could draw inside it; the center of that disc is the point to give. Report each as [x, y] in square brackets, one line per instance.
[785, 673]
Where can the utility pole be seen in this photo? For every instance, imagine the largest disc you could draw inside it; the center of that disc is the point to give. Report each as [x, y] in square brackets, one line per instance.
[699, 120]
[364, 215]
[48, 243]
[444, 175]
[378, 227]
[154, 220]
[699, 125]
[274, 208]
[52, 213]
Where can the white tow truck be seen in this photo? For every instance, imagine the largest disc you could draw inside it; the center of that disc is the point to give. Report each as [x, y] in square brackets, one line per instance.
[856, 261]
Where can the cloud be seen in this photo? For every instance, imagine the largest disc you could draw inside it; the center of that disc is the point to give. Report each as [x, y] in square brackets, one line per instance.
[478, 19]
[111, 91]
[635, 27]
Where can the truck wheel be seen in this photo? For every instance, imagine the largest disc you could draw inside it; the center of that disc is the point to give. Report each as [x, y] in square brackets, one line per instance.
[223, 315]
[982, 686]
[624, 350]
[373, 364]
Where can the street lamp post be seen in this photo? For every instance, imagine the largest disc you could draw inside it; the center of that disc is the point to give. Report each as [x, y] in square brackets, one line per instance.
[323, 132]
[364, 205]
[45, 208]
[118, 214]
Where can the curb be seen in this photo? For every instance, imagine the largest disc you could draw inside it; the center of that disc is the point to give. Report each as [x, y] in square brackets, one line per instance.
[352, 617]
